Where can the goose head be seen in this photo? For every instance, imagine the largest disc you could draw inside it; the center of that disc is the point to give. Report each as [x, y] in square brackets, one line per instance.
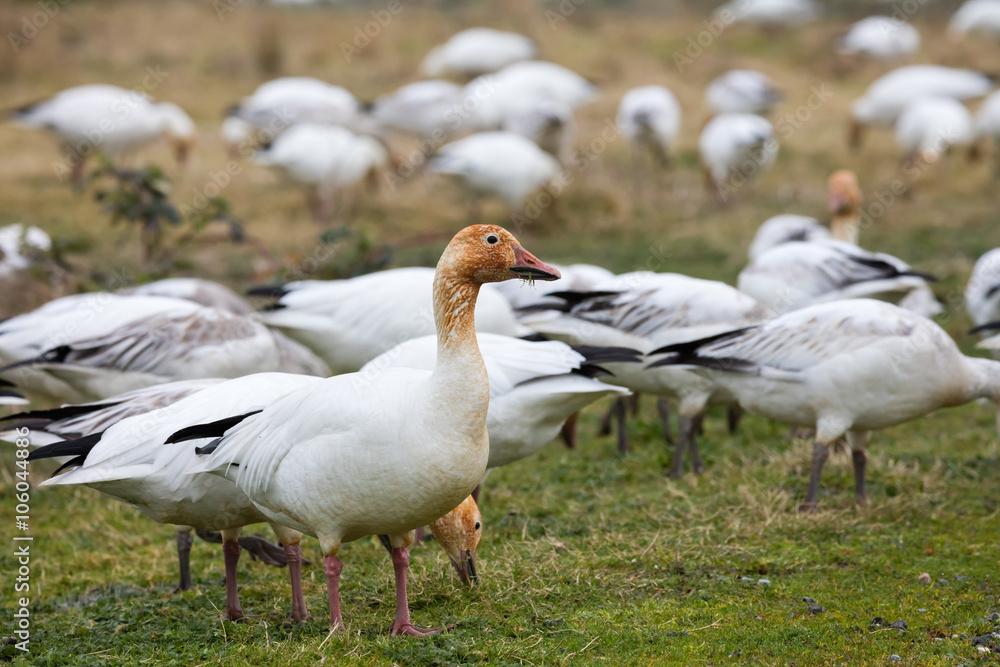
[844, 193]
[489, 254]
[178, 128]
[458, 534]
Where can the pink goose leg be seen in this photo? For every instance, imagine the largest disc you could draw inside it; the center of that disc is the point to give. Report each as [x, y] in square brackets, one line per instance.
[332, 567]
[293, 555]
[231, 550]
[401, 624]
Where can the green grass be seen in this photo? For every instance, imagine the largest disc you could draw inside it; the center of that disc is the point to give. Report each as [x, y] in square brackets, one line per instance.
[586, 555]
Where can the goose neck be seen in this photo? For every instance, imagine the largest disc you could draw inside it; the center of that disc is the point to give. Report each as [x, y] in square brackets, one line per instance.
[844, 227]
[459, 364]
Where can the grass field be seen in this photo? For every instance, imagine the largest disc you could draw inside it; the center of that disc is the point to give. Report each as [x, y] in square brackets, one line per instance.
[586, 555]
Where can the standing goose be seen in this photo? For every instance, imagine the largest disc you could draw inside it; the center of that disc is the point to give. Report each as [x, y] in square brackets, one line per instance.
[548, 123]
[976, 16]
[425, 109]
[106, 119]
[650, 117]
[930, 126]
[735, 147]
[282, 103]
[350, 322]
[843, 368]
[353, 456]
[477, 51]
[742, 91]
[881, 38]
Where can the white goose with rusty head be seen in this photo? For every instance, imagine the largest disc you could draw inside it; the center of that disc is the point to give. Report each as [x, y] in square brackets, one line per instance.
[353, 456]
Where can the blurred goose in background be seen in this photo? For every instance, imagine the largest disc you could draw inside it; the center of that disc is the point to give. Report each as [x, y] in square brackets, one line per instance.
[500, 164]
[887, 97]
[650, 117]
[547, 123]
[200, 291]
[535, 387]
[20, 247]
[350, 322]
[477, 51]
[329, 160]
[982, 294]
[93, 346]
[794, 275]
[975, 16]
[742, 91]
[353, 456]
[425, 109]
[772, 13]
[643, 311]
[785, 229]
[574, 278]
[281, 103]
[106, 119]
[737, 145]
[988, 124]
[495, 97]
[844, 368]
[881, 38]
[932, 126]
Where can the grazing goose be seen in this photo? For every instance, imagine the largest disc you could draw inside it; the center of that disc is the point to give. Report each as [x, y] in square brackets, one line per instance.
[890, 94]
[425, 109]
[106, 119]
[976, 16]
[477, 51]
[771, 13]
[735, 147]
[328, 159]
[843, 368]
[353, 456]
[785, 229]
[650, 117]
[501, 164]
[930, 126]
[881, 38]
[350, 322]
[198, 290]
[644, 311]
[988, 123]
[89, 349]
[547, 123]
[799, 274]
[742, 91]
[575, 278]
[534, 386]
[982, 294]
[282, 103]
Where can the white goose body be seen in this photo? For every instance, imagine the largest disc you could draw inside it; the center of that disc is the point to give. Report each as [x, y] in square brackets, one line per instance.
[424, 108]
[477, 51]
[350, 322]
[198, 290]
[976, 16]
[786, 13]
[882, 38]
[785, 229]
[650, 117]
[798, 274]
[325, 156]
[982, 294]
[988, 118]
[890, 94]
[17, 245]
[502, 164]
[930, 126]
[575, 278]
[534, 388]
[742, 91]
[730, 139]
[112, 119]
[495, 97]
[281, 103]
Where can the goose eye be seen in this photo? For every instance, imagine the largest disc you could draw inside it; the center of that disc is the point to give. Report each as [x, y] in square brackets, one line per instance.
[478, 526]
[491, 239]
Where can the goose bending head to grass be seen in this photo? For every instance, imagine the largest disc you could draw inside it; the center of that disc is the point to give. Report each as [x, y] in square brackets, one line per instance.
[353, 456]
[932, 126]
[844, 368]
[880, 38]
[742, 91]
[650, 117]
[734, 148]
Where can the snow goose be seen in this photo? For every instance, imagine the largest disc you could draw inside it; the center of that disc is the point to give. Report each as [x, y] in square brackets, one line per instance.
[534, 386]
[106, 119]
[328, 159]
[771, 13]
[798, 274]
[155, 340]
[930, 126]
[502, 164]
[982, 294]
[844, 201]
[881, 38]
[350, 322]
[282, 103]
[742, 91]
[736, 147]
[643, 311]
[650, 117]
[988, 123]
[198, 290]
[843, 368]
[355, 456]
[426, 109]
[976, 16]
[477, 51]
[785, 229]
[575, 278]
[546, 122]
[20, 247]
[887, 97]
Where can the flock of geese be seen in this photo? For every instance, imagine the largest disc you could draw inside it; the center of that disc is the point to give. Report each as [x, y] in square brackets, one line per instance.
[377, 405]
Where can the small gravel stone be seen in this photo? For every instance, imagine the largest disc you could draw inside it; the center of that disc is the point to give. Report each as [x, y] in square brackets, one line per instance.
[900, 625]
[816, 609]
[808, 600]
[942, 582]
[746, 579]
[764, 582]
[878, 621]
[924, 578]
[994, 617]
[961, 577]
[895, 658]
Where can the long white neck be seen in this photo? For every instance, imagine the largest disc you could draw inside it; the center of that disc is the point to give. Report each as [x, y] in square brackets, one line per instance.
[984, 379]
[844, 227]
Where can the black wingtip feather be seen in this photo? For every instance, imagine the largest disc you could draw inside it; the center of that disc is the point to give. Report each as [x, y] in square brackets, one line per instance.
[79, 447]
[75, 462]
[272, 291]
[598, 354]
[215, 429]
[56, 355]
[692, 345]
[56, 414]
[989, 326]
